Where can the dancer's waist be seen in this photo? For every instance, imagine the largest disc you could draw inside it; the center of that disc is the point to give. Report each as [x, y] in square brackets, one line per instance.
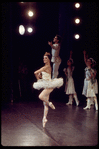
[56, 59]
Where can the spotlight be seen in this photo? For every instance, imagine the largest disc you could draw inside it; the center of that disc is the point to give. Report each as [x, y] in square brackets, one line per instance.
[30, 29]
[21, 30]
[30, 13]
[77, 36]
[77, 5]
[77, 20]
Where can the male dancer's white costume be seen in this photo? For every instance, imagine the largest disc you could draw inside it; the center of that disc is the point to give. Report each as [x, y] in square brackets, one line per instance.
[56, 60]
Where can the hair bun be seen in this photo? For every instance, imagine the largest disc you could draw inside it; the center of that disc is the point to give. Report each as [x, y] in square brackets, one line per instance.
[46, 54]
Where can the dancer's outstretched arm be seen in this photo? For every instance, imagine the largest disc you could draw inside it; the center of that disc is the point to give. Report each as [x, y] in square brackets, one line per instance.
[85, 57]
[52, 46]
[71, 54]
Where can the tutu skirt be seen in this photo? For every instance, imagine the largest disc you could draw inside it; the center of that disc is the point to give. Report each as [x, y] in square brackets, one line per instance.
[69, 87]
[52, 83]
[92, 89]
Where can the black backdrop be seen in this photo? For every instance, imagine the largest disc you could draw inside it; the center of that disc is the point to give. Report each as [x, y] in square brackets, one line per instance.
[51, 18]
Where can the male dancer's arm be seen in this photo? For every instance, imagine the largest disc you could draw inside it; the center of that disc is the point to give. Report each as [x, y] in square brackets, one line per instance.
[52, 46]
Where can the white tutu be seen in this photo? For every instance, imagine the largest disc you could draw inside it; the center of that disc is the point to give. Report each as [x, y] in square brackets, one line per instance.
[48, 82]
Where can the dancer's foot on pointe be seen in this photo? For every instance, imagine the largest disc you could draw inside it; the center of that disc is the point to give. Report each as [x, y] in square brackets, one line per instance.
[51, 105]
[86, 108]
[44, 121]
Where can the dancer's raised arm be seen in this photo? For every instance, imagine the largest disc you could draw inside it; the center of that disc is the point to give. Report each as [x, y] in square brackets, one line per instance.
[85, 57]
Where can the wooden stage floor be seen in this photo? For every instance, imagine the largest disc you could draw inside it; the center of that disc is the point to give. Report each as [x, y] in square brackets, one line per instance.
[21, 125]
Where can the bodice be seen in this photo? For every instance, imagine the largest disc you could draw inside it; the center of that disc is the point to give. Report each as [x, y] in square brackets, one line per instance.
[46, 76]
[70, 72]
[55, 52]
[87, 73]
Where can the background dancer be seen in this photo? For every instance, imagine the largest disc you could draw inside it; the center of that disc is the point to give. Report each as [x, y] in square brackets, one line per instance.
[56, 60]
[69, 87]
[47, 84]
[90, 84]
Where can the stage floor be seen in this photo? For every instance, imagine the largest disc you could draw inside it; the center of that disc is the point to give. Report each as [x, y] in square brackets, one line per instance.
[21, 125]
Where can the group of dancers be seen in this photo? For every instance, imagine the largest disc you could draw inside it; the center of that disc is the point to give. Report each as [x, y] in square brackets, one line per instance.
[48, 83]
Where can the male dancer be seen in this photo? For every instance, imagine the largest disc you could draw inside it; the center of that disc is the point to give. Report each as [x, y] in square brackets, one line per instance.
[56, 60]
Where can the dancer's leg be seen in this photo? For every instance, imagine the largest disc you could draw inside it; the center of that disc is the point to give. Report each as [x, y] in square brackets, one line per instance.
[96, 104]
[46, 108]
[92, 101]
[55, 70]
[70, 100]
[88, 104]
[44, 95]
[76, 99]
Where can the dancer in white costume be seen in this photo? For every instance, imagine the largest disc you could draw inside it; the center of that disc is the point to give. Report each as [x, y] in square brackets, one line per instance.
[47, 84]
[56, 60]
[90, 88]
[69, 87]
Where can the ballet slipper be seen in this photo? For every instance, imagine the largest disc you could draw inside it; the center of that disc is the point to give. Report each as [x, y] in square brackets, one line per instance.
[51, 105]
[44, 121]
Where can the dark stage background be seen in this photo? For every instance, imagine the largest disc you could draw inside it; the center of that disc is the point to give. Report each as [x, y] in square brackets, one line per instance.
[50, 18]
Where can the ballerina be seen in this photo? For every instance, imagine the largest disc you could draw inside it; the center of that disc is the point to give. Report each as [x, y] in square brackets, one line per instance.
[45, 82]
[90, 83]
[69, 87]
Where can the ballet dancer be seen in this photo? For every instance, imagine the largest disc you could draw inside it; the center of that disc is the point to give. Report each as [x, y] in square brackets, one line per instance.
[90, 84]
[56, 60]
[69, 87]
[47, 84]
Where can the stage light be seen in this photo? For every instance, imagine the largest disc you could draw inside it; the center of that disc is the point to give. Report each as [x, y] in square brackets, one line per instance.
[77, 36]
[77, 5]
[77, 20]
[30, 29]
[21, 30]
[30, 13]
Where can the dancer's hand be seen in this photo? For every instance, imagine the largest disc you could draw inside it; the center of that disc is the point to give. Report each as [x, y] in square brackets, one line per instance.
[50, 43]
[84, 52]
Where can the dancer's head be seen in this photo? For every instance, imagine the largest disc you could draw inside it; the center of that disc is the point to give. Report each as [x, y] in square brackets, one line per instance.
[70, 62]
[47, 57]
[57, 39]
[89, 62]
[93, 62]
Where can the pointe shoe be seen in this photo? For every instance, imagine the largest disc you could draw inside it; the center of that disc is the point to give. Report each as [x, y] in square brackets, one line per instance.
[86, 108]
[51, 105]
[69, 103]
[44, 121]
